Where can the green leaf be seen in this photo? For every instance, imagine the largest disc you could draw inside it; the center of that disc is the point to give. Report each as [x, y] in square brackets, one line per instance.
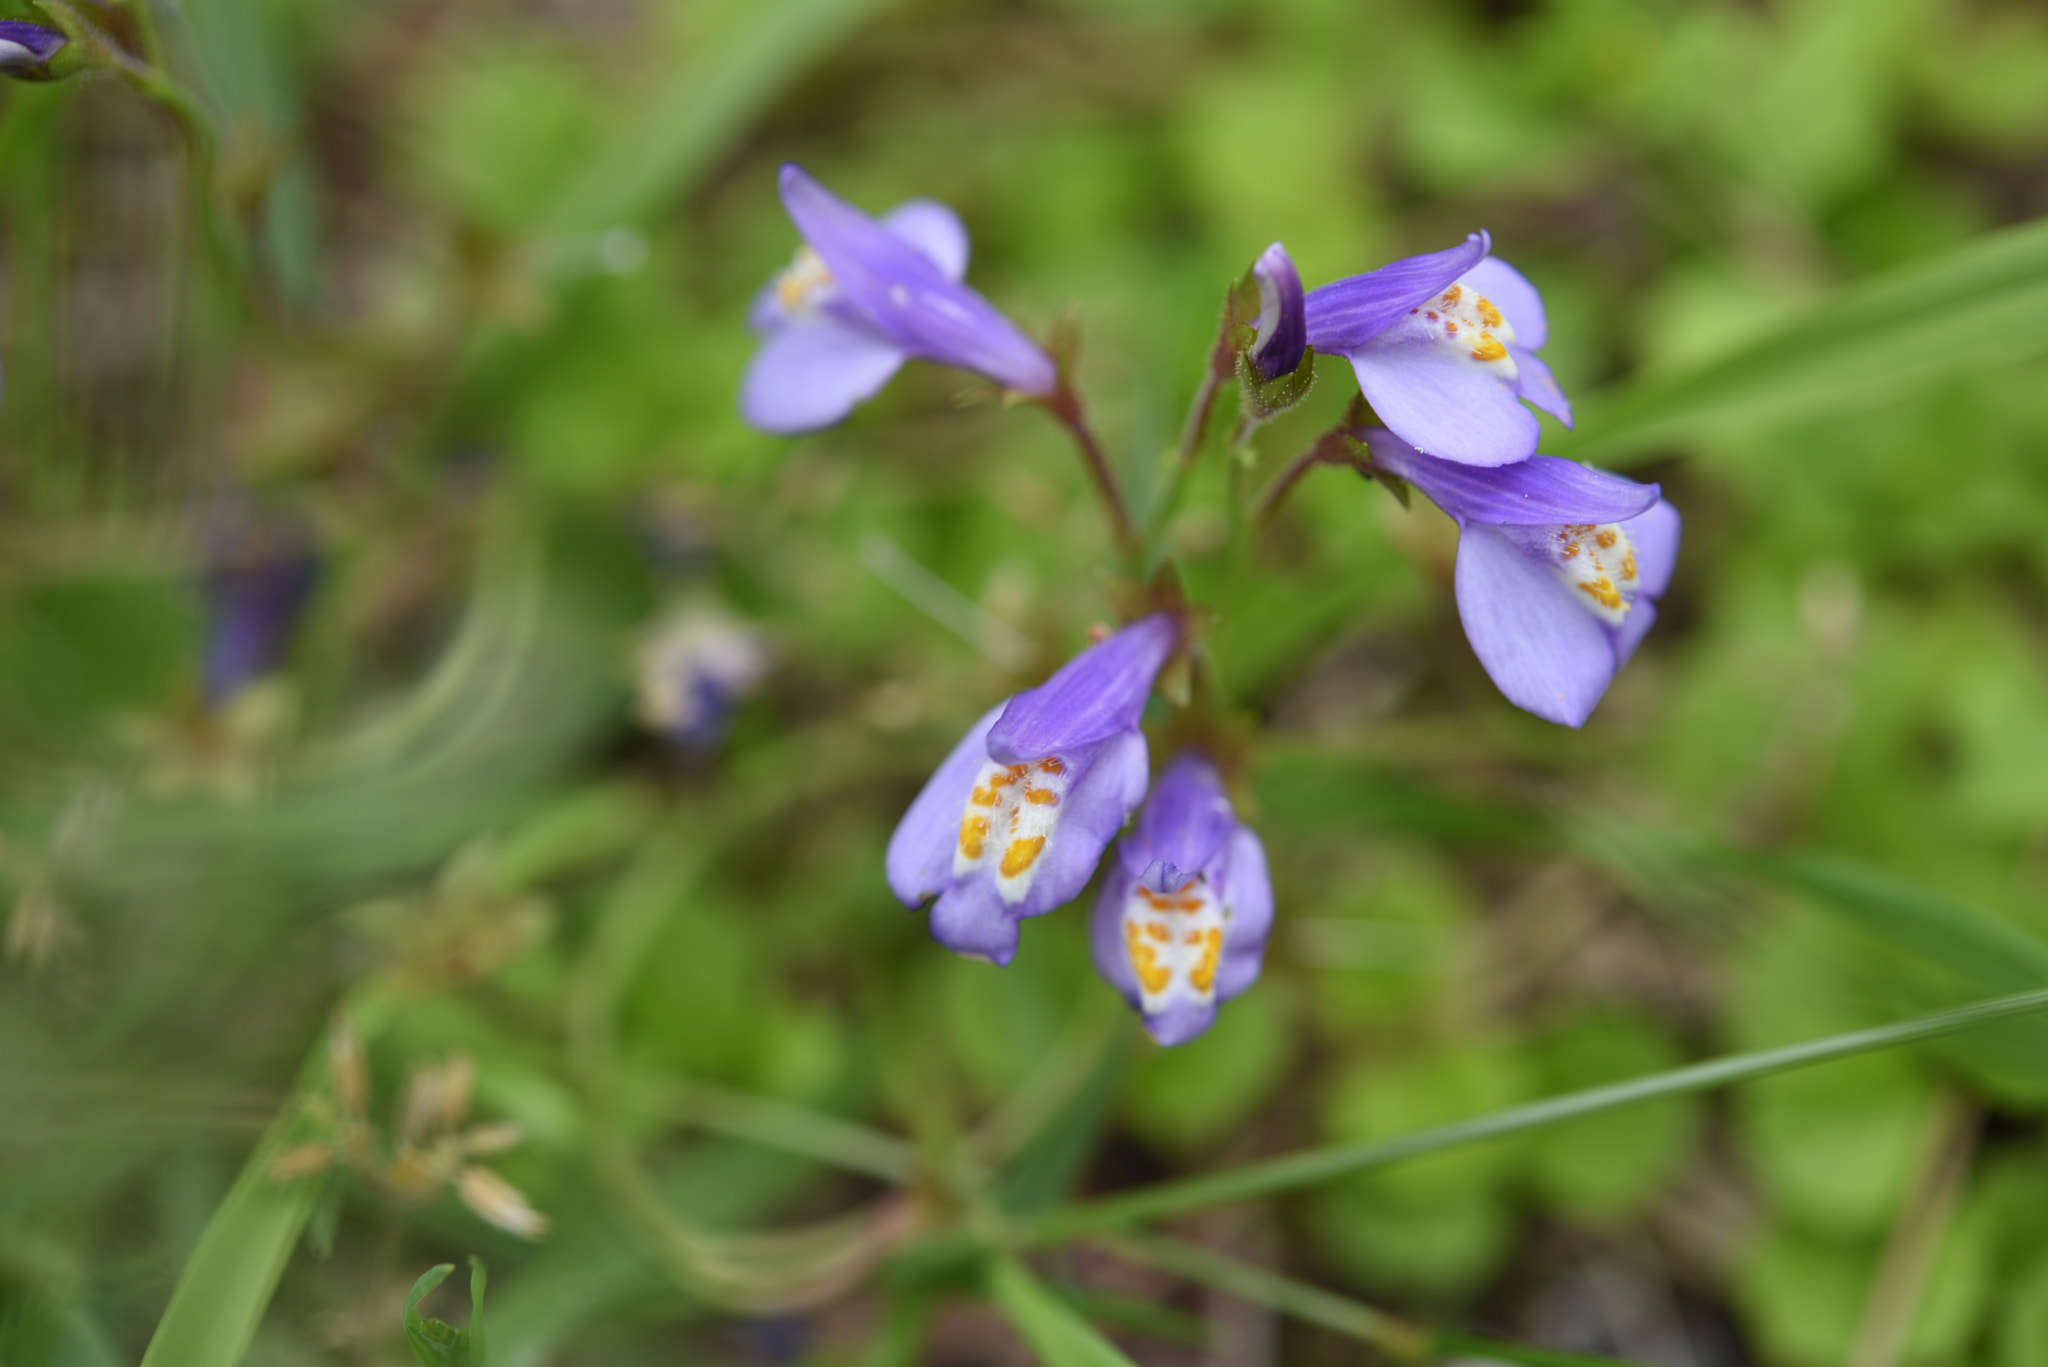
[1058, 1336]
[227, 1283]
[436, 1343]
[1986, 303]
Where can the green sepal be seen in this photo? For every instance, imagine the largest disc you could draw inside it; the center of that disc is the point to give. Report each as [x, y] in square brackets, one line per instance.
[1262, 399]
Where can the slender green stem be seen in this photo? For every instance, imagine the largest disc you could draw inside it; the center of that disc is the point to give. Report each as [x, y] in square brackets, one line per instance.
[1398, 1338]
[1328, 449]
[1321, 1165]
[1065, 405]
[795, 1129]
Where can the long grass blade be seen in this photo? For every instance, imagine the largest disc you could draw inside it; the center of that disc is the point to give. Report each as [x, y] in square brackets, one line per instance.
[1321, 1165]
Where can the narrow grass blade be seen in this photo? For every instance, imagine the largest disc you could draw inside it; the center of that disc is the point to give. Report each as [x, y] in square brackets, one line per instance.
[1321, 1165]
[1058, 1336]
[1985, 303]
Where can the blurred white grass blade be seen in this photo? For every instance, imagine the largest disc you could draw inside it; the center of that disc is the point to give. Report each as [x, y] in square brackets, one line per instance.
[943, 603]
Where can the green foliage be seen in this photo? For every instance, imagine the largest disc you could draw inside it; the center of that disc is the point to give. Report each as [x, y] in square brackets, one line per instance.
[466, 292]
[437, 1343]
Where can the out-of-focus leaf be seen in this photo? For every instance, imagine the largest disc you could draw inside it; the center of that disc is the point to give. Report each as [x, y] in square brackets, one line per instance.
[722, 85]
[1057, 1335]
[1984, 303]
[1603, 1166]
[1990, 953]
[222, 1293]
[1046, 1168]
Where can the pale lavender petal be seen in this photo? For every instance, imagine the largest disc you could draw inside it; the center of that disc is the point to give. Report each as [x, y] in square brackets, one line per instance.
[1346, 314]
[810, 373]
[1282, 324]
[920, 858]
[1106, 934]
[1184, 824]
[1445, 405]
[1510, 292]
[1543, 651]
[1539, 491]
[1095, 695]
[1111, 783]
[934, 229]
[1181, 1022]
[1655, 535]
[907, 297]
[1247, 889]
[1534, 382]
[970, 918]
[1642, 615]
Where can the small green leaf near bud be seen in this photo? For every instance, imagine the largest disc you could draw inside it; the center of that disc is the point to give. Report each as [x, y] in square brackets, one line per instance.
[1263, 400]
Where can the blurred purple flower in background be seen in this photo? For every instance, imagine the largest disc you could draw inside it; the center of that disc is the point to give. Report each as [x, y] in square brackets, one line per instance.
[26, 49]
[1559, 566]
[1445, 350]
[1181, 924]
[691, 669]
[861, 298]
[1018, 815]
[261, 569]
[1282, 325]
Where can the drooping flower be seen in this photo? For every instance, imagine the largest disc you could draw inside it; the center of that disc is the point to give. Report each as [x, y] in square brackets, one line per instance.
[1445, 350]
[1180, 926]
[1282, 327]
[691, 669]
[26, 49]
[1016, 818]
[263, 566]
[861, 298]
[1559, 569]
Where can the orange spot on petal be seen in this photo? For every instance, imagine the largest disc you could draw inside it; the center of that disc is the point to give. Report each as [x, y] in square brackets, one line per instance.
[973, 834]
[1020, 855]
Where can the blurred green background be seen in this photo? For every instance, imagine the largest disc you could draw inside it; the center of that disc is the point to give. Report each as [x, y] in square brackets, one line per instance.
[451, 329]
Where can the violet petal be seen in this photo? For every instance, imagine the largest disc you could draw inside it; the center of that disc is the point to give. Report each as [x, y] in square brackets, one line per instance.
[1346, 314]
[1539, 491]
[1534, 382]
[920, 858]
[1444, 405]
[907, 297]
[1546, 653]
[810, 372]
[1095, 695]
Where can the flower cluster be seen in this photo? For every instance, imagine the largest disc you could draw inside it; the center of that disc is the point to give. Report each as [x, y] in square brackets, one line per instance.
[432, 1151]
[1559, 567]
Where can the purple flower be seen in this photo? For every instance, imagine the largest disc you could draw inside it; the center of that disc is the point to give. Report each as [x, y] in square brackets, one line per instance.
[1559, 567]
[1182, 921]
[1281, 324]
[692, 668]
[1445, 349]
[262, 570]
[1018, 815]
[860, 299]
[26, 49]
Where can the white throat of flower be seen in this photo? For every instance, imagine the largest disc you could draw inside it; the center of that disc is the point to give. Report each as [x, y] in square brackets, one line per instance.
[1596, 562]
[1173, 936]
[1011, 813]
[1464, 323]
[13, 54]
[806, 284]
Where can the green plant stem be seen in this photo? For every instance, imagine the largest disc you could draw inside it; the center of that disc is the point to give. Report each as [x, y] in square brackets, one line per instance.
[1065, 406]
[1321, 1165]
[1401, 1340]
